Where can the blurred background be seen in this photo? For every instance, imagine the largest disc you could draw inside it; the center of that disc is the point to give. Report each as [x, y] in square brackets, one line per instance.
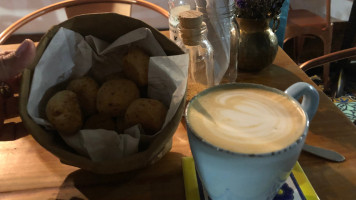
[10, 11]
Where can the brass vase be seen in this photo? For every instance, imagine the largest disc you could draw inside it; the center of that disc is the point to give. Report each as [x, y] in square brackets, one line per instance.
[258, 44]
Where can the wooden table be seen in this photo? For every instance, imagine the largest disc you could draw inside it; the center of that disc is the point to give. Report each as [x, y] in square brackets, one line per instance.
[28, 171]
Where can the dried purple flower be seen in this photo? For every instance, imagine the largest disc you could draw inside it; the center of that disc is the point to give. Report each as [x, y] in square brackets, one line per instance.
[255, 9]
[241, 3]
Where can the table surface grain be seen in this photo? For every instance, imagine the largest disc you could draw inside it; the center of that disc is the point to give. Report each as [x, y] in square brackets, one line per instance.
[28, 171]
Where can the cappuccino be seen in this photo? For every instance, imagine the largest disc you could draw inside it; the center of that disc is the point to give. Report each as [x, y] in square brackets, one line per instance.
[247, 119]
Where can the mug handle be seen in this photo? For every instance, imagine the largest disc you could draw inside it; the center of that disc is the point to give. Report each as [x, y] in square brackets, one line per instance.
[310, 95]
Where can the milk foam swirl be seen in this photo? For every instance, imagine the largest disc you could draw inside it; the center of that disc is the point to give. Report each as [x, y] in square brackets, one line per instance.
[247, 120]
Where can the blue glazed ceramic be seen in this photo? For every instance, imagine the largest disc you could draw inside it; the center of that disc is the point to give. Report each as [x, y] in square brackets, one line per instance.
[229, 175]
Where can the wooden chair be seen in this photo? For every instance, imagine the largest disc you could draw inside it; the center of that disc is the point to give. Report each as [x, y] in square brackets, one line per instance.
[302, 23]
[77, 7]
[341, 55]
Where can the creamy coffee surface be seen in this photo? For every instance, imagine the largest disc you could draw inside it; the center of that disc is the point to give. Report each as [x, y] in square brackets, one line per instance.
[246, 120]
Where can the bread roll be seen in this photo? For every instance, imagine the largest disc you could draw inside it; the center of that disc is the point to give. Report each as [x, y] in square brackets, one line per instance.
[86, 89]
[150, 113]
[114, 96]
[136, 66]
[63, 112]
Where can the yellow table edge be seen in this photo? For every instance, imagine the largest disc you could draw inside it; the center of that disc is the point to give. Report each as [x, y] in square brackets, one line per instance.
[192, 190]
[190, 179]
[304, 183]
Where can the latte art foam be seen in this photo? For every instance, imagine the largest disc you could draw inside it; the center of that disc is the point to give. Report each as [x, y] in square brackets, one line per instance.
[246, 120]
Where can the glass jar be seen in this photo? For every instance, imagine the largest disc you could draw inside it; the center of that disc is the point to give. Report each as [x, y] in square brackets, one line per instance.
[176, 7]
[223, 35]
[201, 63]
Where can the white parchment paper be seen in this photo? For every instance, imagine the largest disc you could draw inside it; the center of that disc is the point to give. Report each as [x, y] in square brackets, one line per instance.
[70, 55]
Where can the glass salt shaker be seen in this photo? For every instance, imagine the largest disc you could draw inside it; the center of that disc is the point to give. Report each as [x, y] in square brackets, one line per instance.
[193, 33]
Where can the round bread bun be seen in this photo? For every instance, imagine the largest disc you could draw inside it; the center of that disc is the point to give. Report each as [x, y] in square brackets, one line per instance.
[100, 121]
[114, 96]
[136, 63]
[86, 89]
[63, 112]
[150, 113]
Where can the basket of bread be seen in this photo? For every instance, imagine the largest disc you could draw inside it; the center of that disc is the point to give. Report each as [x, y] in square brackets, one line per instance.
[106, 99]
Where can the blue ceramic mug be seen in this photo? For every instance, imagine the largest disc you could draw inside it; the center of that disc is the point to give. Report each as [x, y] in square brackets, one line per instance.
[245, 138]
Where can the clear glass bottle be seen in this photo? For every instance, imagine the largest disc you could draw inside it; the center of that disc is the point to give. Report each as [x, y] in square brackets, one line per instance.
[176, 7]
[193, 33]
[232, 70]
[223, 35]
